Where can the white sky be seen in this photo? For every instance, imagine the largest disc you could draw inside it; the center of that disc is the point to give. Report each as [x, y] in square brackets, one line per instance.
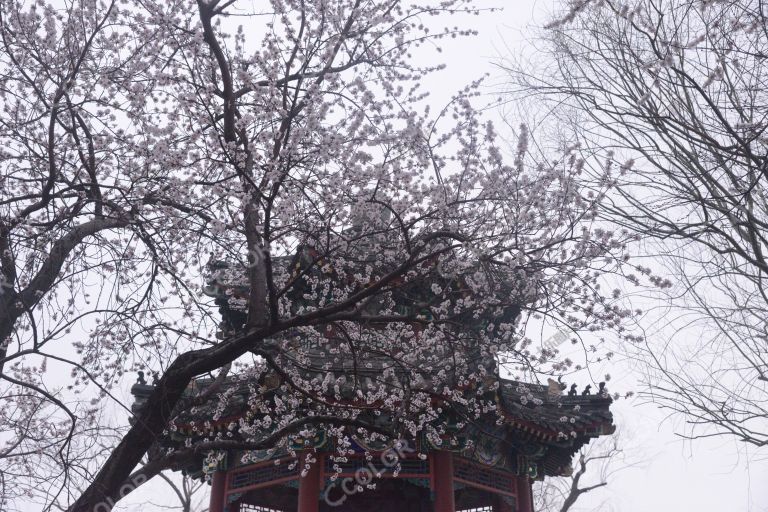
[671, 475]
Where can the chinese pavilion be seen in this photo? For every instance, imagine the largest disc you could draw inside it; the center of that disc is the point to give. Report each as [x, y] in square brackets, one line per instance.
[489, 465]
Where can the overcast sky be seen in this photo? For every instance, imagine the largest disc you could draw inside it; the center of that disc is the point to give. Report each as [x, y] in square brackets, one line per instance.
[671, 474]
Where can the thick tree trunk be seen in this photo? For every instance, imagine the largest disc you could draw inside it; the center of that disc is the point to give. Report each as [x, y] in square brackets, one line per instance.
[111, 483]
[114, 480]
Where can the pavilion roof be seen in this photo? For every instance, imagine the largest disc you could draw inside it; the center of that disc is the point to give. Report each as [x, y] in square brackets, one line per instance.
[539, 423]
[547, 427]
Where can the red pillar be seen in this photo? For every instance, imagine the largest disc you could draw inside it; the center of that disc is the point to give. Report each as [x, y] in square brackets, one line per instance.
[218, 486]
[442, 471]
[309, 485]
[524, 494]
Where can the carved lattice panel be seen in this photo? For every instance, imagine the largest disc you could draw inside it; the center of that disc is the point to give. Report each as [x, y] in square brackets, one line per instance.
[483, 477]
[263, 474]
[353, 463]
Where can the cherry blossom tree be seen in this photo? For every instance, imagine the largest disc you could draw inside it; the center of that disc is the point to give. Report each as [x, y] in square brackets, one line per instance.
[285, 151]
[672, 94]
